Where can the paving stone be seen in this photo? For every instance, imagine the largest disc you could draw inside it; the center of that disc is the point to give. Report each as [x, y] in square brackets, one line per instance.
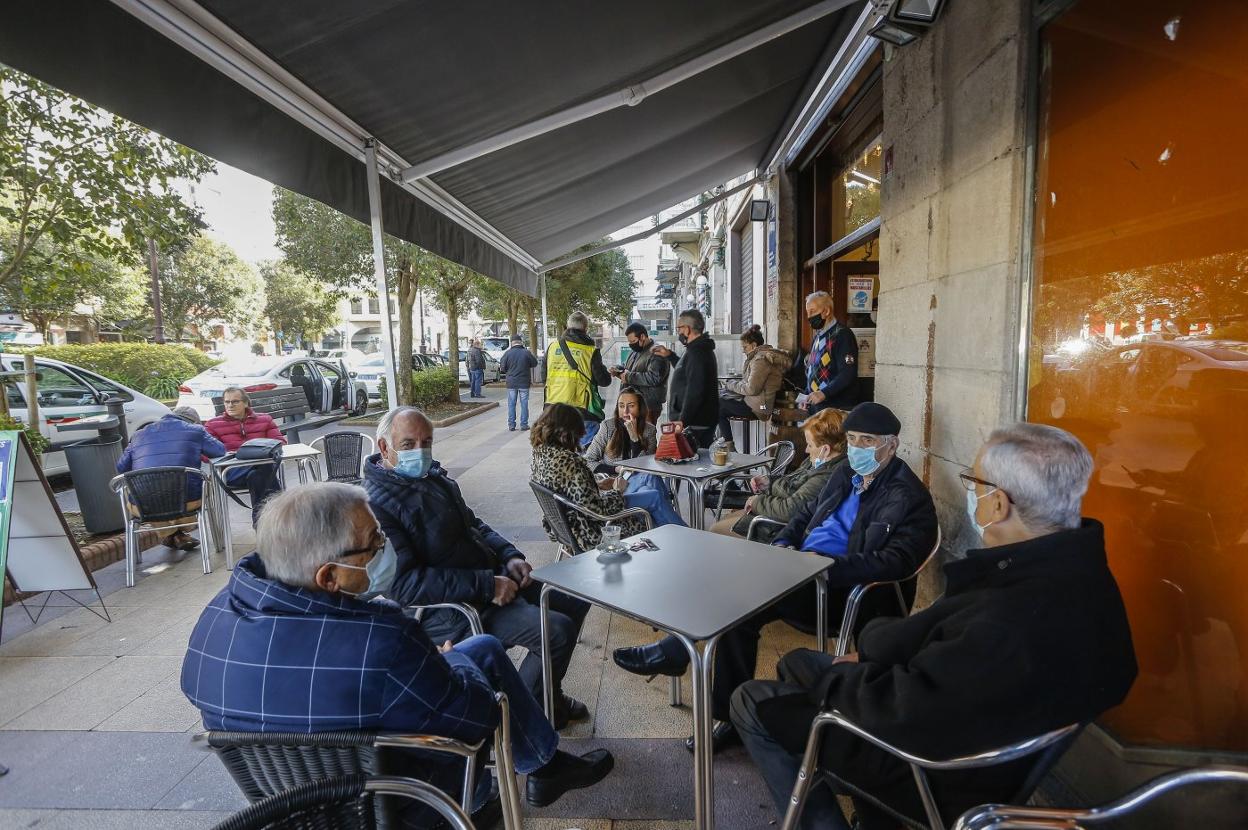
[52, 639]
[99, 695]
[26, 682]
[207, 787]
[568, 824]
[110, 819]
[129, 632]
[161, 709]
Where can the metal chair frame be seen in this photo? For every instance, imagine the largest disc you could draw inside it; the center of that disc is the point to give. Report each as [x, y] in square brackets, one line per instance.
[919, 766]
[563, 530]
[854, 602]
[120, 485]
[1009, 817]
[284, 809]
[474, 618]
[785, 451]
[509, 790]
[325, 453]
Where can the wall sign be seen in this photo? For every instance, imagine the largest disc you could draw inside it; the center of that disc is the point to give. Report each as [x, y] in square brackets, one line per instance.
[861, 292]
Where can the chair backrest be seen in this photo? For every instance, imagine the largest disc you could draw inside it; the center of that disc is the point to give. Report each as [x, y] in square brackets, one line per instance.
[784, 452]
[282, 402]
[263, 764]
[556, 516]
[158, 493]
[344, 454]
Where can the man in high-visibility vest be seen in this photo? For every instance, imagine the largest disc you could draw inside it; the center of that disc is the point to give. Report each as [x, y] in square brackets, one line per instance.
[574, 368]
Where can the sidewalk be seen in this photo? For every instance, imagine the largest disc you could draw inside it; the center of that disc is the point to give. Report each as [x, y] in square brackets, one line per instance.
[97, 733]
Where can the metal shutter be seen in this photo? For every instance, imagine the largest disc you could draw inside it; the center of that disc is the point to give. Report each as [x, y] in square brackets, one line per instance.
[745, 276]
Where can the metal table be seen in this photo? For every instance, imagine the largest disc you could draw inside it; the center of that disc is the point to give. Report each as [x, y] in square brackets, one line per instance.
[301, 454]
[696, 586]
[697, 473]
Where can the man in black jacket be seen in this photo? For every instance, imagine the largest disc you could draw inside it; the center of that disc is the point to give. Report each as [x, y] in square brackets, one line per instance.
[1030, 636]
[874, 520]
[694, 398]
[446, 554]
[645, 370]
[517, 366]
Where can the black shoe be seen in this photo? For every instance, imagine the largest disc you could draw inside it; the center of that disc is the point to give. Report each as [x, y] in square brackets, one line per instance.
[511, 429]
[564, 773]
[524, 428]
[723, 735]
[567, 710]
[648, 661]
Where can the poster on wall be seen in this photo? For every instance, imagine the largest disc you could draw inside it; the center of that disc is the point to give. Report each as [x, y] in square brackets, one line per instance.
[861, 292]
[866, 352]
[773, 258]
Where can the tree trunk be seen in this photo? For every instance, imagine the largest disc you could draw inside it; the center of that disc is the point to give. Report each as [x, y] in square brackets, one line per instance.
[513, 315]
[451, 301]
[403, 357]
[531, 307]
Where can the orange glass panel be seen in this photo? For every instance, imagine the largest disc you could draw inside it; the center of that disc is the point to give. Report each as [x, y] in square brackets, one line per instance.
[856, 191]
[1140, 334]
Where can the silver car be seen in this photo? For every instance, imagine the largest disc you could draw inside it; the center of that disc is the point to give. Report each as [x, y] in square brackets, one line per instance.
[330, 387]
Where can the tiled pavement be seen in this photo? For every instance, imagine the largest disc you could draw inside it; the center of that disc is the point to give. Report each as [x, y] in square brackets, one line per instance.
[97, 733]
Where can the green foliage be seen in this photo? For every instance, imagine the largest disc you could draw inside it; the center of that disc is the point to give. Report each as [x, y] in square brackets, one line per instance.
[150, 368]
[37, 442]
[83, 183]
[601, 286]
[203, 282]
[295, 303]
[429, 387]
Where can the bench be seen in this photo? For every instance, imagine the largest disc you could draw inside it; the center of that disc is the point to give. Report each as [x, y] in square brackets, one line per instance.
[288, 406]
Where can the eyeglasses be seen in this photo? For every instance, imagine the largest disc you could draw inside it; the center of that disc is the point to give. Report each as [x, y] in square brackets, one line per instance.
[232, 401]
[370, 548]
[969, 481]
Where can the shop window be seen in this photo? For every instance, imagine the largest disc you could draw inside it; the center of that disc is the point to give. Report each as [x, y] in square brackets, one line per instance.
[1139, 336]
[856, 191]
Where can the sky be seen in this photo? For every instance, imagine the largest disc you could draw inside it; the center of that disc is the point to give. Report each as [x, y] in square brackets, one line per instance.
[236, 206]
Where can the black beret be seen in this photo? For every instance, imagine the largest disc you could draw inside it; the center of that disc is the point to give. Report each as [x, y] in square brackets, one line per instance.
[874, 418]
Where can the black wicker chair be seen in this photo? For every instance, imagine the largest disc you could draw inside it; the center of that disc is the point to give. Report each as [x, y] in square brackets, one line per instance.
[343, 454]
[557, 510]
[732, 491]
[345, 803]
[158, 494]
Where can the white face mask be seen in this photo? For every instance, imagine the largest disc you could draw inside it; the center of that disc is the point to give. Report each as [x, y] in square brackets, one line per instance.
[972, 505]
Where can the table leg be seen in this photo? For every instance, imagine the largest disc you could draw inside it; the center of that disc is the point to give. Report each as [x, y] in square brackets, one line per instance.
[697, 517]
[223, 510]
[303, 472]
[548, 671]
[703, 769]
[821, 612]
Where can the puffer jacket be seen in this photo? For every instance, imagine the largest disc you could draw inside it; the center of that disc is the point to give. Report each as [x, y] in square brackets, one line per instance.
[567, 474]
[788, 494]
[233, 433]
[171, 442]
[761, 379]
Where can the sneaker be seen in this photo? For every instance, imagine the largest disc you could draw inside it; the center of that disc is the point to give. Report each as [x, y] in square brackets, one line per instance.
[511, 429]
[524, 428]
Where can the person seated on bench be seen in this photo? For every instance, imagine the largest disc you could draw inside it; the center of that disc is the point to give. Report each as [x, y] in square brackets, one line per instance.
[294, 644]
[447, 554]
[874, 519]
[1030, 635]
[235, 427]
[176, 440]
[780, 499]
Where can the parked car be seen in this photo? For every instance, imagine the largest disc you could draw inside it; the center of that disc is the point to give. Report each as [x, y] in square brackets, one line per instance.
[324, 382]
[496, 346]
[372, 372]
[67, 393]
[352, 357]
[492, 371]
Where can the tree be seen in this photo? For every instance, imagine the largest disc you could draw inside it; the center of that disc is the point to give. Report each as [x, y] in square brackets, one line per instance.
[455, 292]
[499, 301]
[295, 303]
[93, 185]
[601, 287]
[205, 281]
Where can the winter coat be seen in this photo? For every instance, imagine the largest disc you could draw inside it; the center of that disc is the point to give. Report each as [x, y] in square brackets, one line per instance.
[445, 553]
[761, 379]
[572, 386]
[648, 372]
[171, 442]
[597, 450]
[517, 365]
[567, 474]
[233, 433]
[1027, 638]
[787, 494]
[475, 358]
[695, 386]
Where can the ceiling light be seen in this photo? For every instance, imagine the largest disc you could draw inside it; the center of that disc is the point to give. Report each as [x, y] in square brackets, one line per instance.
[760, 210]
[919, 12]
[894, 33]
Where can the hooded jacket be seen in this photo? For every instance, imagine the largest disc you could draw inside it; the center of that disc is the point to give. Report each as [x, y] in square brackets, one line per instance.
[171, 442]
[694, 396]
[761, 378]
[445, 553]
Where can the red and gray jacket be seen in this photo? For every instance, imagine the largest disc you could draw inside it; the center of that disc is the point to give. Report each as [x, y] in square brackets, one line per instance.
[233, 432]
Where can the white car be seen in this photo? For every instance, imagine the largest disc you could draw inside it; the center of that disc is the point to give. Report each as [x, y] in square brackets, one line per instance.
[352, 357]
[323, 381]
[493, 373]
[68, 393]
[496, 346]
[372, 373]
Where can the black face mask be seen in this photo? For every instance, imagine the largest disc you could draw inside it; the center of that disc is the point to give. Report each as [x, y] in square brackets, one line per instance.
[683, 338]
[816, 322]
[637, 347]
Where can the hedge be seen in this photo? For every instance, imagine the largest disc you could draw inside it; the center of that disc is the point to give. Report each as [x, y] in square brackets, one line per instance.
[151, 368]
[429, 387]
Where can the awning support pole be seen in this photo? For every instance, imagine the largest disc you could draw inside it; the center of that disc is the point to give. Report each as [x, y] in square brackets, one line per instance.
[379, 270]
[542, 341]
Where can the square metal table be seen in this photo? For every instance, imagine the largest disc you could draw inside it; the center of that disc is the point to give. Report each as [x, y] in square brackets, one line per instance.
[697, 473]
[696, 586]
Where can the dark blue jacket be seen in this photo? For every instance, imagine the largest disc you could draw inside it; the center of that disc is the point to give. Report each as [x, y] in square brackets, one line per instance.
[446, 554]
[268, 657]
[171, 442]
[517, 364]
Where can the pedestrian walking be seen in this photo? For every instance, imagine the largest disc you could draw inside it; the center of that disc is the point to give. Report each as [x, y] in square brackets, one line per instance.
[517, 366]
[476, 369]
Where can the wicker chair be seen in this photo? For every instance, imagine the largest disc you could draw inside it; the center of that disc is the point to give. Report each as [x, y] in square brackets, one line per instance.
[159, 494]
[343, 454]
[557, 509]
[346, 803]
[264, 764]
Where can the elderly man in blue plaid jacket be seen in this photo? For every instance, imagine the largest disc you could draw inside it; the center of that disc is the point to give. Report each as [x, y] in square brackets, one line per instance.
[299, 641]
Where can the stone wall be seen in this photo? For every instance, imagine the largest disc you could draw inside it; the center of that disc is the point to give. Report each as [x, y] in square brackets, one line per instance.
[952, 239]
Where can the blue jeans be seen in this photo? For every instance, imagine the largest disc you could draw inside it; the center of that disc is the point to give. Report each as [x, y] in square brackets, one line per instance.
[591, 429]
[658, 505]
[475, 378]
[512, 396]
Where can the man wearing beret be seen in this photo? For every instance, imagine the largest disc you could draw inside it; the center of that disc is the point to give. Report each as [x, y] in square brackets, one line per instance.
[874, 520]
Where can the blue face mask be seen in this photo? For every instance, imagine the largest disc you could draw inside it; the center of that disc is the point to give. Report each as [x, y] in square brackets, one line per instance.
[862, 460]
[380, 570]
[972, 504]
[414, 463]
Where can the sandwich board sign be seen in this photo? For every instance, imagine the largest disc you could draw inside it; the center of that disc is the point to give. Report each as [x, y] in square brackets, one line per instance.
[38, 553]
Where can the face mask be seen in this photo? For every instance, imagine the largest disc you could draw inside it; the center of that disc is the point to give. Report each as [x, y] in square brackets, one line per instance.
[862, 460]
[972, 504]
[816, 322]
[683, 338]
[380, 570]
[637, 347]
[816, 463]
[414, 463]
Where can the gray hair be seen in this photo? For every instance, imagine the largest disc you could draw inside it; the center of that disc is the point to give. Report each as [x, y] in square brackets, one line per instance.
[818, 295]
[1044, 470]
[240, 390]
[578, 320]
[386, 425]
[304, 527]
[188, 414]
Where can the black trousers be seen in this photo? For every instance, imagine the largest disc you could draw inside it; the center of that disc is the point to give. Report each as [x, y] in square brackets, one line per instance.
[732, 408]
[261, 482]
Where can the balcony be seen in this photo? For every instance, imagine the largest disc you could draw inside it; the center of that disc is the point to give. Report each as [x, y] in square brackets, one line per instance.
[688, 229]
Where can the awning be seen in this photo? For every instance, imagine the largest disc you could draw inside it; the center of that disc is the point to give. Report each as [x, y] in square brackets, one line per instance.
[291, 91]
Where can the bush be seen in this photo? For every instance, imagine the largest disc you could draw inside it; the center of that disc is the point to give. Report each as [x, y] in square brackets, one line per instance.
[37, 442]
[151, 368]
[428, 387]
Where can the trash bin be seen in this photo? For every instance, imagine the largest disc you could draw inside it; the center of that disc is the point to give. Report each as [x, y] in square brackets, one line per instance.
[92, 464]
